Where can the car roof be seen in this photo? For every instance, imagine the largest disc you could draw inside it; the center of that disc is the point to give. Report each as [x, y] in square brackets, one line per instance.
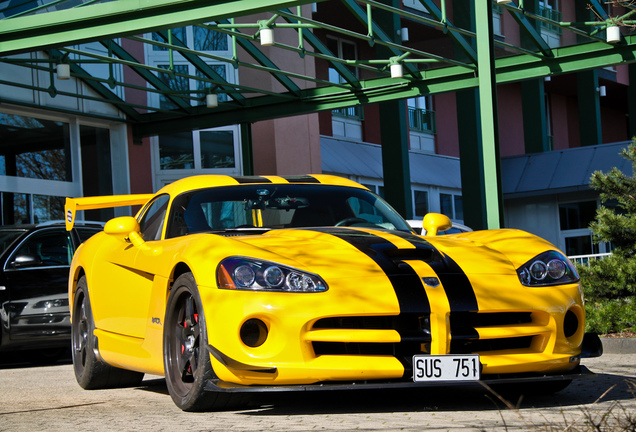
[207, 181]
[52, 223]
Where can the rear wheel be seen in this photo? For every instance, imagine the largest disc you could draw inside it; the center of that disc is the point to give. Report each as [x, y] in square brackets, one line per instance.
[90, 372]
[186, 358]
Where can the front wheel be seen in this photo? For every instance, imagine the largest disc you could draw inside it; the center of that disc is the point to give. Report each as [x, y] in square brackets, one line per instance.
[92, 373]
[186, 358]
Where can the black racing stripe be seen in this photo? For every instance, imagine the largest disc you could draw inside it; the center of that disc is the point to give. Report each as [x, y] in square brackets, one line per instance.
[301, 179]
[406, 283]
[460, 292]
[413, 321]
[251, 179]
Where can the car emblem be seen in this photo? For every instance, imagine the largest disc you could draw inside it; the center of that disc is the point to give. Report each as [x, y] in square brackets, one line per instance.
[430, 281]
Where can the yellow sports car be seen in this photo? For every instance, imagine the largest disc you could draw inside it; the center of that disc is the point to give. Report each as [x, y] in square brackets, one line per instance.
[230, 285]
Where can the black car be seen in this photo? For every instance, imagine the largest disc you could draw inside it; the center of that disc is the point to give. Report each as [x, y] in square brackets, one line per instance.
[34, 311]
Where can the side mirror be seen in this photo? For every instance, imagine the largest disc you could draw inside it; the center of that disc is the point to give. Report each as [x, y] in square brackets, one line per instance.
[22, 261]
[125, 227]
[121, 226]
[435, 222]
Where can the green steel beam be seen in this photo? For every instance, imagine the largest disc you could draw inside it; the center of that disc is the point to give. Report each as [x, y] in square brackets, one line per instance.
[459, 39]
[530, 32]
[108, 96]
[598, 8]
[491, 182]
[262, 59]
[120, 18]
[148, 76]
[379, 33]
[631, 101]
[321, 48]
[590, 129]
[204, 68]
[247, 149]
[535, 125]
[441, 80]
[394, 128]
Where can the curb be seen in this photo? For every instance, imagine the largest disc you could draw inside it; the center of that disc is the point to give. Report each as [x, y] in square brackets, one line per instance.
[619, 345]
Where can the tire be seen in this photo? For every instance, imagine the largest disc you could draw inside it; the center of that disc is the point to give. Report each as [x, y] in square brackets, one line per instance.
[92, 373]
[186, 358]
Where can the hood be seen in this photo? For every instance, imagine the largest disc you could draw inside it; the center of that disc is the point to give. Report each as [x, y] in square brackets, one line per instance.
[361, 251]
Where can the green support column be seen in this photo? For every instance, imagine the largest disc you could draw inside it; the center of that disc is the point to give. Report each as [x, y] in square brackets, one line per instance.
[535, 125]
[589, 108]
[535, 119]
[247, 149]
[488, 114]
[477, 121]
[395, 156]
[631, 101]
[394, 132]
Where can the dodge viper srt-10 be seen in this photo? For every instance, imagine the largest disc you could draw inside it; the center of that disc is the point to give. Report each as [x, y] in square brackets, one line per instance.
[231, 285]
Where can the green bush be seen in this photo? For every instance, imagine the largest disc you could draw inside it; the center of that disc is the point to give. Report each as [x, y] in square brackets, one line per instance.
[609, 284]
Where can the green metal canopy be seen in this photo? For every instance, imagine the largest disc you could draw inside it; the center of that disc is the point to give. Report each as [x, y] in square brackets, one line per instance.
[456, 57]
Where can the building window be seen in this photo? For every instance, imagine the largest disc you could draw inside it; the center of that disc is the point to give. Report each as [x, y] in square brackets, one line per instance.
[186, 153]
[551, 33]
[199, 150]
[452, 206]
[497, 12]
[574, 220]
[420, 206]
[421, 124]
[415, 4]
[35, 148]
[19, 208]
[346, 122]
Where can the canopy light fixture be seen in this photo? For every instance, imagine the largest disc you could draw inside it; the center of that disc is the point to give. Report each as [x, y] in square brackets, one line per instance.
[211, 100]
[63, 71]
[267, 36]
[397, 71]
[602, 91]
[613, 34]
[404, 34]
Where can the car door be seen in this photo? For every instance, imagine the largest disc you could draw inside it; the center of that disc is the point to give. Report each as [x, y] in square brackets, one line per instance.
[120, 289]
[36, 275]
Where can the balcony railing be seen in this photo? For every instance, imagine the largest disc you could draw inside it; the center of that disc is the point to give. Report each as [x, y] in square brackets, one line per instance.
[553, 15]
[585, 259]
[422, 120]
[354, 112]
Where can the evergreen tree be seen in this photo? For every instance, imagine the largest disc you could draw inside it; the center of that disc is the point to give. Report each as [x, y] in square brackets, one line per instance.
[609, 284]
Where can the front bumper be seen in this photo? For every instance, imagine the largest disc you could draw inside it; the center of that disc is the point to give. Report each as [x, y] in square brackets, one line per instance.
[579, 372]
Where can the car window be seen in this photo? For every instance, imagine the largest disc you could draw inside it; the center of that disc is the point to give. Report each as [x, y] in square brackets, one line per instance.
[86, 233]
[44, 249]
[7, 237]
[278, 206]
[151, 223]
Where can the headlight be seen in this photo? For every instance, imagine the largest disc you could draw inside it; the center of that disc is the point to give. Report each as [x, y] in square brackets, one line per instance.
[549, 268]
[251, 274]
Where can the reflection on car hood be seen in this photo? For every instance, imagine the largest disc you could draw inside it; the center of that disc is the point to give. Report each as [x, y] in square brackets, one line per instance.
[328, 247]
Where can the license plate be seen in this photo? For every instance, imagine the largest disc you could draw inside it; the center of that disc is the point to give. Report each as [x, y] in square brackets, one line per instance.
[445, 368]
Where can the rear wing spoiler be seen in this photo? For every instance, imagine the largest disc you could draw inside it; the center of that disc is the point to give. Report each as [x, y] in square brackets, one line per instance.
[73, 205]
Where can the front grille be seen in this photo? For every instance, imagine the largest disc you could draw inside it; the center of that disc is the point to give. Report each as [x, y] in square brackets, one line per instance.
[459, 346]
[414, 330]
[465, 328]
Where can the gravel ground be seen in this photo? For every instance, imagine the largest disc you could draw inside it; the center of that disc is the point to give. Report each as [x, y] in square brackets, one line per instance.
[49, 399]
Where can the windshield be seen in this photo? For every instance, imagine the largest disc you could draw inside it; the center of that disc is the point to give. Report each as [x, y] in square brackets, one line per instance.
[279, 206]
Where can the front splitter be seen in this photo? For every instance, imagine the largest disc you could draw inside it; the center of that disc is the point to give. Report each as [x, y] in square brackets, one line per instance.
[221, 386]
